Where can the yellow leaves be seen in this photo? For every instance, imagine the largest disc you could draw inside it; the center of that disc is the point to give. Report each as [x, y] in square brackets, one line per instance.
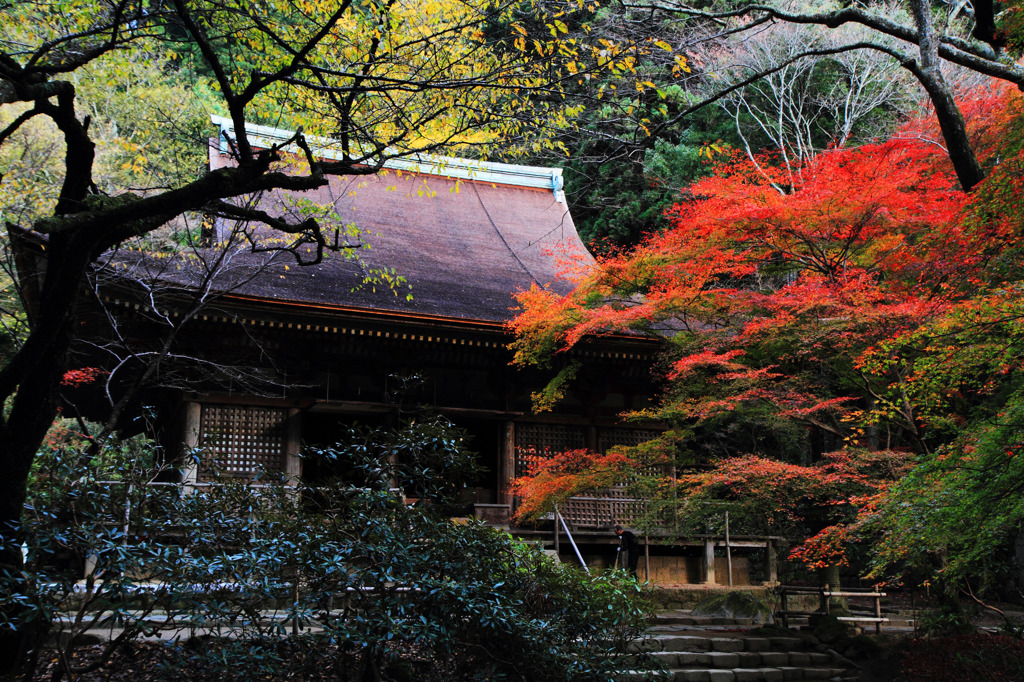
[434, 81]
[680, 66]
[710, 149]
[425, 191]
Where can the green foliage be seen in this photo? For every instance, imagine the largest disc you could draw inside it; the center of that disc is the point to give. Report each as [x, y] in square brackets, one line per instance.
[615, 201]
[150, 126]
[954, 518]
[734, 605]
[942, 622]
[554, 391]
[344, 577]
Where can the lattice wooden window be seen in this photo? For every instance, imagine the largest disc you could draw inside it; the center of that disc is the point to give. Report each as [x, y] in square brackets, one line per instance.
[537, 442]
[599, 510]
[609, 437]
[592, 509]
[245, 440]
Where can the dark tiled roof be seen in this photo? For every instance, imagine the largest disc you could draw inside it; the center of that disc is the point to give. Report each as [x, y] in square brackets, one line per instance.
[464, 246]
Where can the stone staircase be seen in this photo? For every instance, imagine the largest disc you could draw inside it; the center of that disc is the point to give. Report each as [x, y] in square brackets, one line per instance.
[690, 648]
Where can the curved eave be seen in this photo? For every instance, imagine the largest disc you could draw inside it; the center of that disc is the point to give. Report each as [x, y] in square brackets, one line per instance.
[422, 319]
[369, 313]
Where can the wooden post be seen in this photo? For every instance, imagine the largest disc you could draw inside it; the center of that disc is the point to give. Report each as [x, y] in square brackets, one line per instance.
[647, 558]
[507, 465]
[190, 441]
[773, 562]
[878, 612]
[784, 603]
[825, 598]
[728, 549]
[293, 462]
[557, 553]
[709, 561]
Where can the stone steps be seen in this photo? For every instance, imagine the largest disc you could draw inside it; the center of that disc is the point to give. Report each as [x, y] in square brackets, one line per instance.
[736, 675]
[678, 620]
[741, 659]
[697, 642]
[713, 656]
[670, 619]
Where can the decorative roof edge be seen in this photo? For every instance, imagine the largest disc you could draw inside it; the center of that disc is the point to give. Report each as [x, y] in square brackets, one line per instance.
[430, 164]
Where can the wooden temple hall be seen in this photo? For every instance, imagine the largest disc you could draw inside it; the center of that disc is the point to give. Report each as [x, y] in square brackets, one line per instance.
[281, 356]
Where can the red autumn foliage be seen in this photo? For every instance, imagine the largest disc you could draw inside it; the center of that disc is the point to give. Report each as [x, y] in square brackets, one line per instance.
[81, 376]
[65, 434]
[827, 548]
[823, 500]
[778, 497]
[554, 477]
[863, 295]
[857, 246]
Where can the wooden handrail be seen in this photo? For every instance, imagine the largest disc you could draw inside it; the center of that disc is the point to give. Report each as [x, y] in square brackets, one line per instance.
[825, 594]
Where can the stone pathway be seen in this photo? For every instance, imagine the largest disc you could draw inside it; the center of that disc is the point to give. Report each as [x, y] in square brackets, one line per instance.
[702, 649]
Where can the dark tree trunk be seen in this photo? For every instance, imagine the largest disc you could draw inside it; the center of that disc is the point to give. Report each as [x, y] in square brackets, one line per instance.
[985, 24]
[951, 119]
[35, 373]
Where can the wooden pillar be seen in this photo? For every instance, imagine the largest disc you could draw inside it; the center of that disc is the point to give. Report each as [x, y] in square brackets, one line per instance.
[507, 464]
[647, 558]
[558, 549]
[192, 417]
[773, 562]
[293, 444]
[728, 550]
[709, 561]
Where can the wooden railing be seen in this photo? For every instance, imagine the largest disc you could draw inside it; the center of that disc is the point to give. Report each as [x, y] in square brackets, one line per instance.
[601, 512]
[825, 595]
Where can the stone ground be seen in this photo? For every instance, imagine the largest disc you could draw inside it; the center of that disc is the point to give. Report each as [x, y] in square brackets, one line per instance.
[730, 649]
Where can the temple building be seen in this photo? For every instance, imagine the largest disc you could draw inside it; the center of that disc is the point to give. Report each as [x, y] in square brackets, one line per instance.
[266, 356]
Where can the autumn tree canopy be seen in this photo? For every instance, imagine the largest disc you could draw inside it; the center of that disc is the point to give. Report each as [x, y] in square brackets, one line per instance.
[858, 302]
[790, 78]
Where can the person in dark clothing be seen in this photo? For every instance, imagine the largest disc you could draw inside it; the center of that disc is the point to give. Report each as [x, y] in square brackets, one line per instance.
[629, 545]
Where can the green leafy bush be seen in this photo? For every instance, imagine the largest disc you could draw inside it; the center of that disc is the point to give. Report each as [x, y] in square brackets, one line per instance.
[345, 581]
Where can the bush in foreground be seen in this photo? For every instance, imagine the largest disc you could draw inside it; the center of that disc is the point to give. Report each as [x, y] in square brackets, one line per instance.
[343, 581]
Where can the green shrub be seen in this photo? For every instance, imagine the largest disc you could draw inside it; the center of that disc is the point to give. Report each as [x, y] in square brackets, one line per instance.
[346, 579]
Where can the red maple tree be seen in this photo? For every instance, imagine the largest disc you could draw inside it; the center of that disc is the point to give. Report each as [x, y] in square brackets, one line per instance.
[817, 296]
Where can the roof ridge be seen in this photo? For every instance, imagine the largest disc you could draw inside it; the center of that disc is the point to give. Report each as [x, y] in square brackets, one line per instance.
[542, 177]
